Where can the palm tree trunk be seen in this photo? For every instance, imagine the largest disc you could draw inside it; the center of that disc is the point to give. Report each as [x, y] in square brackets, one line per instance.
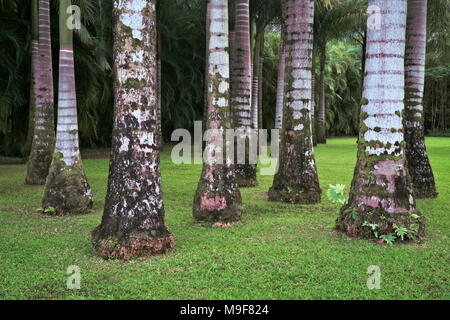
[313, 108]
[43, 143]
[297, 180]
[34, 71]
[255, 82]
[218, 199]
[281, 72]
[66, 188]
[133, 219]
[241, 96]
[159, 86]
[381, 193]
[321, 123]
[260, 82]
[205, 92]
[416, 153]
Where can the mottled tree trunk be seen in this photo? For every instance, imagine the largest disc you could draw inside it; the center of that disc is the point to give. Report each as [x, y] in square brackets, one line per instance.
[416, 153]
[159, 87]
[297, 180]
[34, 72]
[381, 194]
[241, 97]
[205, 92]
[218, 198]
[260, 82]
[255, 81]
[321, 123]
[281, 72]
[232, 48]
[133, 221]
[43, 144]
[66, 188]
[313, 109]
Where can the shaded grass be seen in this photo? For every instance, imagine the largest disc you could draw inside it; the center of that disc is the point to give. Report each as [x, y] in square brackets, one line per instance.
[280, 251]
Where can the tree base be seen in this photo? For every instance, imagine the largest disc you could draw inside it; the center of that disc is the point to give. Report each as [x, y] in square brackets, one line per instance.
[137, 244]
[294, 196]
[425, 193]
[231, 214]
[247, 183]
[374, 224]
[67, 189]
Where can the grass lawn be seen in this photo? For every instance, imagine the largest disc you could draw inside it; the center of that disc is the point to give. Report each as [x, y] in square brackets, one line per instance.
[280, 251]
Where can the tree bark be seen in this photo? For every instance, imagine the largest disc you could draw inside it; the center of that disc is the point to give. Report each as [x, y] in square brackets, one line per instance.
[218, 199]
[281, 72]
[133, 221]
[418, 163]
[34, 71]
[381, 193]
[66, 188]
[255, 82]
[313, 109]
[159, 82]
[241, 96]
[43, 144]
[297, 180]
[260, 82]
[321, 123]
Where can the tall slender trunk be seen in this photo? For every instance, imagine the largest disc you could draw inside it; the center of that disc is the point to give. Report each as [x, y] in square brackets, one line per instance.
[205, 88]
[218, 199]
[232, 46]
[416, 153]
[321, 123]
[313, 108]
[241, 96]
[43, 143]
[260, 82]
[255, 81]
[133, 221]
[159, 88]
[281, 71]
[66, 188]
[381, 194]
[34, 71]
[297, 180]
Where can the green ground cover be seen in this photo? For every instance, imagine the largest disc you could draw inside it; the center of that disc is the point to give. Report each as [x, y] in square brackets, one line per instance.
[280, 251]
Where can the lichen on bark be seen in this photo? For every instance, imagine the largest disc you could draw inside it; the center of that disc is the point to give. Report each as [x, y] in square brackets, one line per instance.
[297, 180]
[217, 198]
[43, 142]
[418, 163]
[381, 194]
[133, 221]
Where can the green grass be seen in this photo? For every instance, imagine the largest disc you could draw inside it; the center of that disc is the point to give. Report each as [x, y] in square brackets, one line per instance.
[280, 251]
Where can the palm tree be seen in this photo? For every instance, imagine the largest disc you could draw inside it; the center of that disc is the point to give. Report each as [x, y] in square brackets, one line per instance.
[43, 143]
[416, 153]
[34, 70]
[297, 180]
[241, 96]
[218, 198]
[66, 188]
[133, 219]
[381, 198]
[281, 72]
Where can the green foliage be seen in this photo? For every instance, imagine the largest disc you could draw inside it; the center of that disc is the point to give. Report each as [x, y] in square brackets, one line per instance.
[388, 238]
[336, 194]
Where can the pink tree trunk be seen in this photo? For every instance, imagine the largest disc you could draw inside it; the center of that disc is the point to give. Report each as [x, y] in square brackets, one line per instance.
[43, 143]
[218, 199]
[416, 152]
[133, 221]
[381, 196]
[297, 180]
[241, 96]
[281, 71]
[66, 188]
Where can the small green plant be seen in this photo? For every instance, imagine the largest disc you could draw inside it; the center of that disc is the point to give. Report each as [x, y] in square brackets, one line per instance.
[50, 210]
[388, 238]
[336, 194]
[400, 231]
